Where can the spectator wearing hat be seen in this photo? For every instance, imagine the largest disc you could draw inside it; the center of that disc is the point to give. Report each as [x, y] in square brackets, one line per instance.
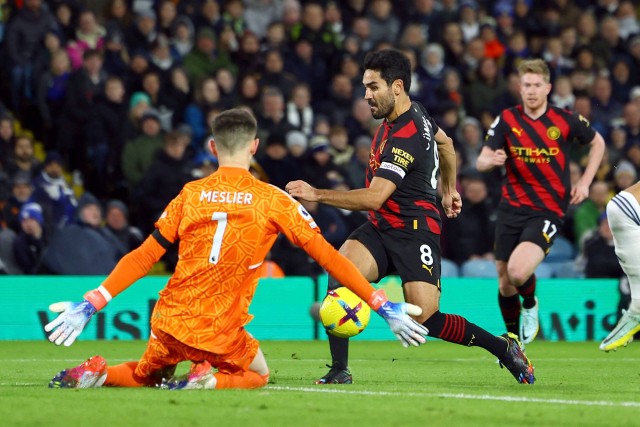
[624, 176]
[297, 144]
[21, 193]
[31, 240]
[117, 221]
[52, 191]
[138, 104]
[319, 168]
[279, 166]
[138, 153]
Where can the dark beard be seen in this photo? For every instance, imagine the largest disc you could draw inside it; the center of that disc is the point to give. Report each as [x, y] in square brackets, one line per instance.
[384, 109]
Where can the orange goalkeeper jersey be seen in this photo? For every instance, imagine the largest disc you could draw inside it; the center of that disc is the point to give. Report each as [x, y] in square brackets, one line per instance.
[226, 224]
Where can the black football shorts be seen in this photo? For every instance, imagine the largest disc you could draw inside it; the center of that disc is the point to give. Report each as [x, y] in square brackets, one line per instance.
[513, 227]
[414, 255]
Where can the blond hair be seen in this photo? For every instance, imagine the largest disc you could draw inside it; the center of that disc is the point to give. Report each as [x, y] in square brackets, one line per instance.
[534, 66]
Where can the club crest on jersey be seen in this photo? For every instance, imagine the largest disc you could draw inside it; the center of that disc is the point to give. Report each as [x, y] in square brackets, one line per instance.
[553, 132]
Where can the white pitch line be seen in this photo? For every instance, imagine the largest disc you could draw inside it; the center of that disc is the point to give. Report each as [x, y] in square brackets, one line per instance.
[462, 396]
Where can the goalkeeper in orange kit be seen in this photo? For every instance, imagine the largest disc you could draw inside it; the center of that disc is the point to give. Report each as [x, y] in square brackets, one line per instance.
[226, 224]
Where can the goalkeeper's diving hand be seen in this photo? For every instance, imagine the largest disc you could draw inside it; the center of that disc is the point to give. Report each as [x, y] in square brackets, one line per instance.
[396, 314]
[70, 322]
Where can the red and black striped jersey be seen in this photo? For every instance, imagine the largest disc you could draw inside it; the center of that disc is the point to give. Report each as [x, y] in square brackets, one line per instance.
[537, 166]
[404, 151]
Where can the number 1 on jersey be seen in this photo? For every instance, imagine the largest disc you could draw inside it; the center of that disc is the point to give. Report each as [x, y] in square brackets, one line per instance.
[221, 217]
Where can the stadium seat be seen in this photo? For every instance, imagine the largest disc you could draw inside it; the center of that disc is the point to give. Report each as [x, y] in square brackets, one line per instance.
[544, 271]
[449, 268]
[565, 270]
[562, 250]
[480, 268]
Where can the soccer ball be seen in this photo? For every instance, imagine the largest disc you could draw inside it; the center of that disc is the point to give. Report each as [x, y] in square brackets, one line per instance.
[343, 313]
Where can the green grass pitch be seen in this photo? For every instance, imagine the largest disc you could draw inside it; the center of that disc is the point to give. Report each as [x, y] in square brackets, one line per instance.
[436, 385]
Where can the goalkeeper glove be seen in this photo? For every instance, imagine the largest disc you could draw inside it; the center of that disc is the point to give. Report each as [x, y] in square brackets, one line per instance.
[407, 330]
[74, 316]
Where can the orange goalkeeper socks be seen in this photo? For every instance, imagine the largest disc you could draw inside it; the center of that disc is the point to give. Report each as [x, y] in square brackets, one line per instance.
[246, 380]
[122, 375]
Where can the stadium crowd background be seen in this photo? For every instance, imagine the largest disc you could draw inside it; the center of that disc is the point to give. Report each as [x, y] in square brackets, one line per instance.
[105, 105]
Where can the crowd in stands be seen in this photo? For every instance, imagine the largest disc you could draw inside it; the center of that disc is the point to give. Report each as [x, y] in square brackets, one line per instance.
[105, 105]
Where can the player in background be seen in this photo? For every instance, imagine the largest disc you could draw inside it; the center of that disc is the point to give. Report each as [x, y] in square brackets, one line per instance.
[533, 141]
[226, 224]
[623, 213]
[402, 234]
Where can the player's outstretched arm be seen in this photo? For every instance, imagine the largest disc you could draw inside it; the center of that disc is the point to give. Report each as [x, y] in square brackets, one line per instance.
[74, 316]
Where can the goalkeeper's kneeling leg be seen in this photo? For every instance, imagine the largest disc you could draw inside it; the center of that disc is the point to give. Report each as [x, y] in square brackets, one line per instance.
[246, 380]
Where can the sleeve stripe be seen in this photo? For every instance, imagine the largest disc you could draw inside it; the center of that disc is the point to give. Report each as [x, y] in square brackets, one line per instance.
[160, 239]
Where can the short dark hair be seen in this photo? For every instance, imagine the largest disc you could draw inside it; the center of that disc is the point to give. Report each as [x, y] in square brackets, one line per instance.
[234, 128]
[391, 64]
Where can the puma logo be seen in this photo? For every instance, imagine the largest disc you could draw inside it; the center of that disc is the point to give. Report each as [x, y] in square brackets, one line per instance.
[429, 269]
[546, 237]
[517, 131]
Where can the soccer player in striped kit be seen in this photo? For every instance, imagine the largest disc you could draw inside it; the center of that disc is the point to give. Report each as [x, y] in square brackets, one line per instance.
[532, 141]
[402, 234]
